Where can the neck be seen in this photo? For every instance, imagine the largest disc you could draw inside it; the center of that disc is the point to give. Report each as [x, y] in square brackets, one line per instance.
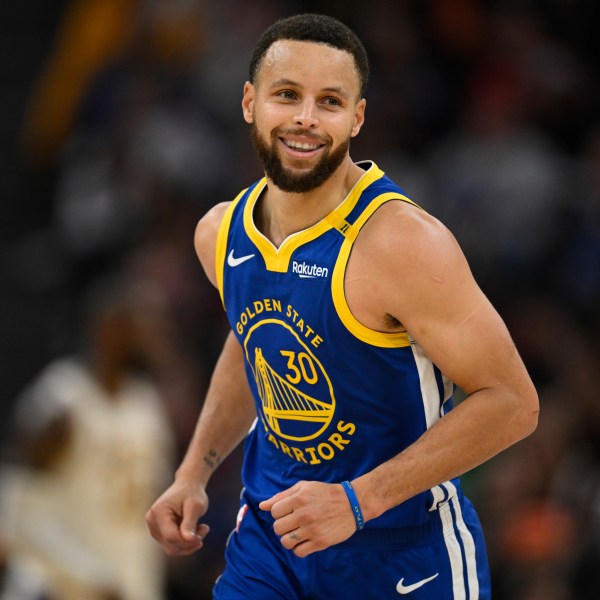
[280, 214]
[109, 374]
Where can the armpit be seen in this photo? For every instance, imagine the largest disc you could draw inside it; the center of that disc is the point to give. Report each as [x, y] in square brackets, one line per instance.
[392, 324]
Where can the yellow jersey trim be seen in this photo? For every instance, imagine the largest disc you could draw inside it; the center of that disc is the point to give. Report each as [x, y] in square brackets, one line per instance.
[360, 331]
[278, 259]
[221, 245]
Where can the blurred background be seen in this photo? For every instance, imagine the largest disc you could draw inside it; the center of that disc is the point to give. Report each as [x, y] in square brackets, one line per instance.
[121, 126]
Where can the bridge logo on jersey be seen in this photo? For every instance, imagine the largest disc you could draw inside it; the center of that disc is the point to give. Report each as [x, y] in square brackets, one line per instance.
[297, 399]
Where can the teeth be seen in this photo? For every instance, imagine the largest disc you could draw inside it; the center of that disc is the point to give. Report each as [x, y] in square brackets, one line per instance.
[301, 145]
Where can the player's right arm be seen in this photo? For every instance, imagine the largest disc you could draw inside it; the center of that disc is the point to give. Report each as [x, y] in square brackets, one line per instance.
[225, 419]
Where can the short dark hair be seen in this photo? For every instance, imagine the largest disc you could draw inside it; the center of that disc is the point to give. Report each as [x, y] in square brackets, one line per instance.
[310, 27]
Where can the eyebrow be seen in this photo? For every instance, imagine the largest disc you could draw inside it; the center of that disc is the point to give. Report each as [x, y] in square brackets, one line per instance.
[284, 81]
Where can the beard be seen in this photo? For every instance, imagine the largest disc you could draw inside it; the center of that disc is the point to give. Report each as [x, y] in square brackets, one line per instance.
[284, 178]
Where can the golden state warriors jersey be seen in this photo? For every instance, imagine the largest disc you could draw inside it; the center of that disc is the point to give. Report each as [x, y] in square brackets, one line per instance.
[334, 398]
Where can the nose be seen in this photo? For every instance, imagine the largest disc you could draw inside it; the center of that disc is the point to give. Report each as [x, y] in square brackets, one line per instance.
[307, 114]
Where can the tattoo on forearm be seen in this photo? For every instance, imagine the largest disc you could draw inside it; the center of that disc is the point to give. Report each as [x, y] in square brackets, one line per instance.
[212, 459]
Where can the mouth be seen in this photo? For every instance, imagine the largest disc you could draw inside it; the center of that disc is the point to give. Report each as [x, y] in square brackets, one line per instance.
[303, 147]
[299, 145]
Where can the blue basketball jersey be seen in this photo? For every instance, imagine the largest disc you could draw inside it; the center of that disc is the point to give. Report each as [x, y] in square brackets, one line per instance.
[334, 398]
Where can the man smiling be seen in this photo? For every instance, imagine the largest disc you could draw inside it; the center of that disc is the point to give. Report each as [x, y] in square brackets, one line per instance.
[353, 448]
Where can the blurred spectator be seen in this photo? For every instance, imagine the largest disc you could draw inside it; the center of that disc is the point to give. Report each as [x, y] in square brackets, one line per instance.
[116, 113]
[94, 446]
[498, 183]
[92, 33]
[94, 36]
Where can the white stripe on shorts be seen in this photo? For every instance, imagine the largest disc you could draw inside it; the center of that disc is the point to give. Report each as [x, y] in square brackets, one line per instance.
[454, 528]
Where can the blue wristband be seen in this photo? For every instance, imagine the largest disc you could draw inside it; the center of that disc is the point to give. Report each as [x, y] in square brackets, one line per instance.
[358, 516]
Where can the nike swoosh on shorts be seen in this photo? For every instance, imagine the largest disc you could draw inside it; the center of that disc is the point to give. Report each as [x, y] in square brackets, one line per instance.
[407, 589]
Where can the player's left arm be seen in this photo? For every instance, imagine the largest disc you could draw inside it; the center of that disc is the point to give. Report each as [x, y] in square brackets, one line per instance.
[417, 273]
[428, 287]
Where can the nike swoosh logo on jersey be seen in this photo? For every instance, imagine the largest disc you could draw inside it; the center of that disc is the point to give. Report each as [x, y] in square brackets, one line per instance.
[407, 589]
[232, 261]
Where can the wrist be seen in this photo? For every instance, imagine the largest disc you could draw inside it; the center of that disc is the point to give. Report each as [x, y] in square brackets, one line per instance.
[196, 474]
[198, 467]
[369, 502]
[354, 505]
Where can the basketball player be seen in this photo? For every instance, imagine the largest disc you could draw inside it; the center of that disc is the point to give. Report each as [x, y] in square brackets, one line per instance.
[353, 314]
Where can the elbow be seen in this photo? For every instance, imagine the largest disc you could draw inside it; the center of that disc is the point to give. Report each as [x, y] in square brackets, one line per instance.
[530, 422]
[528, 413]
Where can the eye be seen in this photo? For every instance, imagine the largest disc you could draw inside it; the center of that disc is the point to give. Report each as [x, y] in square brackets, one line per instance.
[286, 94]
[332, 101]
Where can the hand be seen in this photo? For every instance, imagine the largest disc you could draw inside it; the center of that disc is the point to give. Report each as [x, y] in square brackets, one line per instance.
[173, 520]
[311, 516]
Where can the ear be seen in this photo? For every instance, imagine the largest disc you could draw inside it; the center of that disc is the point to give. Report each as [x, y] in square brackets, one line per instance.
[248, 102]
[359, 117]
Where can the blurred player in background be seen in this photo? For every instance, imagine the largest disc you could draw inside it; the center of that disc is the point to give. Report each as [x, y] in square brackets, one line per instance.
[95, 445]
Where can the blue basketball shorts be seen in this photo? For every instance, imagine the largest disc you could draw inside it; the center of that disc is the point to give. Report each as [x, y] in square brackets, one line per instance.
[442, 560]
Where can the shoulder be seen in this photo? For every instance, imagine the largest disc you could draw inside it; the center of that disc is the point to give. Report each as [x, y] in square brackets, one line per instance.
[57, 380]
[208, 226]
[399, 234]
[205, 238]
[55, 393]
[414, 265]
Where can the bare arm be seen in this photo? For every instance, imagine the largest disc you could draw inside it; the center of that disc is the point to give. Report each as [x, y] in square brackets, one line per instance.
[439, 302]
[225, 419]
[228, 410]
